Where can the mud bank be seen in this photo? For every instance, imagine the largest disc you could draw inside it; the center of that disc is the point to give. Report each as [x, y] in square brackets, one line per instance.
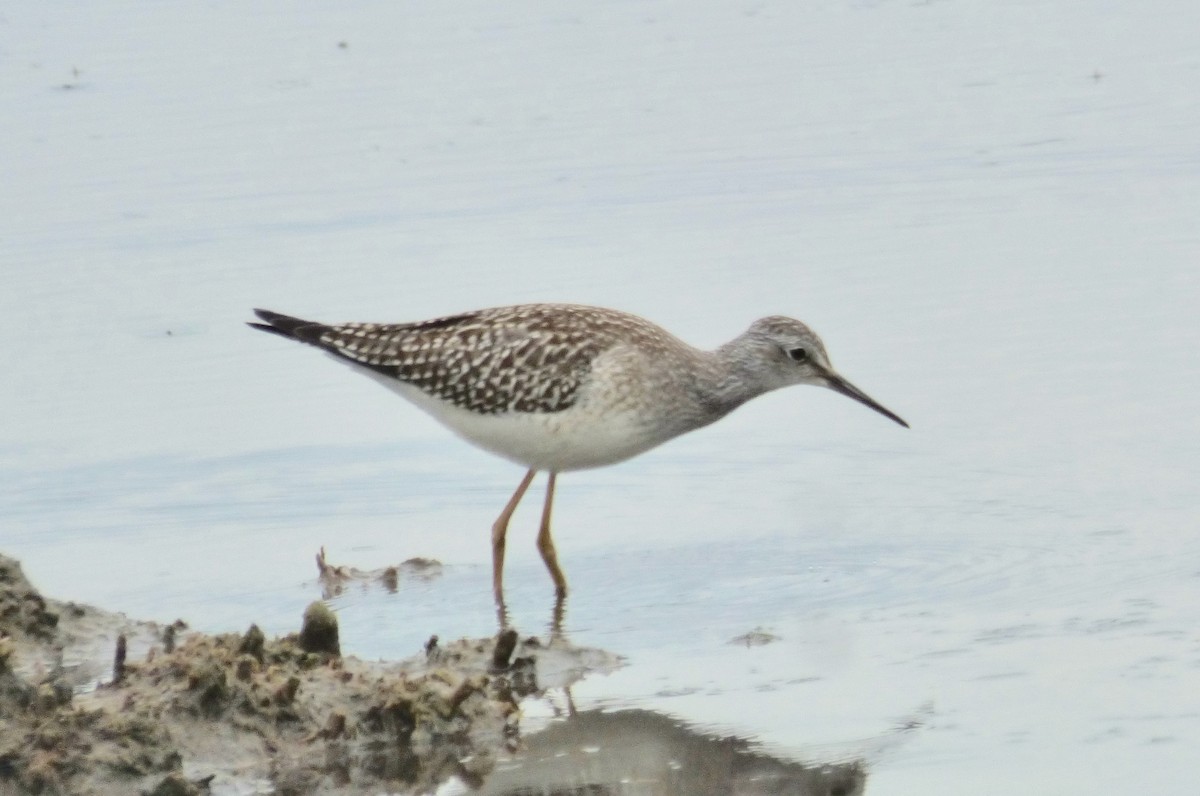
[180, 712]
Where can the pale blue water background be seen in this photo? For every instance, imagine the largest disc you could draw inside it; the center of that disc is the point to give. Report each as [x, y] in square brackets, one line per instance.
[988, 212]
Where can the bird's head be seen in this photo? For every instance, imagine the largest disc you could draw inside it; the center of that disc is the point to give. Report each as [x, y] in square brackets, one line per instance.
[793, 354]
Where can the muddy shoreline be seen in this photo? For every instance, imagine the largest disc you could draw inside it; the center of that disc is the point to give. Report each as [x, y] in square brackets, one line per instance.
[181, 713]
[184, 712]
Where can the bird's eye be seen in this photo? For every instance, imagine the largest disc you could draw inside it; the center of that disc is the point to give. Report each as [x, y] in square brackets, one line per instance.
[797, 354]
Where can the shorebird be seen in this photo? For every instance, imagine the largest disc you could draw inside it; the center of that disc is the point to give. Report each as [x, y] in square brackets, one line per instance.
[560, 387]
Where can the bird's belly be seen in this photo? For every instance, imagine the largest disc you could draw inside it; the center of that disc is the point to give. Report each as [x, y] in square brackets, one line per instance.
[558, 441]
[576, 438]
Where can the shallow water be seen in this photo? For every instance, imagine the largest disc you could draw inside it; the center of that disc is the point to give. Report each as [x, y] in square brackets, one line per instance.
[988, 214]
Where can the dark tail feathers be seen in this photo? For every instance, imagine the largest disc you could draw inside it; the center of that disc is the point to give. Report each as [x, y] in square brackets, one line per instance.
[289, 327]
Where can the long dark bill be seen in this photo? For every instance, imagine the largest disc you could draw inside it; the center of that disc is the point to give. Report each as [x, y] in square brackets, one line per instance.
[837, 383]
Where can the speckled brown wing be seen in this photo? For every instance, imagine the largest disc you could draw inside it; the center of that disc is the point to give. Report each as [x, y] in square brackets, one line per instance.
[513, 359]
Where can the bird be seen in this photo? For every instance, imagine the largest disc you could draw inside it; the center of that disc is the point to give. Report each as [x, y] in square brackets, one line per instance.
[563, 387]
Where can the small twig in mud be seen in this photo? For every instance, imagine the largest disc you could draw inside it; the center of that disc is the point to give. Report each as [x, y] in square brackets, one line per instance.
[169, 634]
[119, 660]
[505, 644]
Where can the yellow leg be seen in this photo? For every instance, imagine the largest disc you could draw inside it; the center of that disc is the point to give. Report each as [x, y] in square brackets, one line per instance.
[499, 529]
[546, 544]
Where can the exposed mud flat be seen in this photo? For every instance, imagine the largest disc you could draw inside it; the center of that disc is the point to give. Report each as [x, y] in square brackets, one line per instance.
[185, 713]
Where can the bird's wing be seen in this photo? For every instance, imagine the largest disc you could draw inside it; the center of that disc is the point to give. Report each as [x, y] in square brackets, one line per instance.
[490, 361]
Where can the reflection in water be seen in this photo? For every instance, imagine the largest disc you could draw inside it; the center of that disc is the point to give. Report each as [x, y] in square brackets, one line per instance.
[629, 752]
[558, 614]
[642, 753]
[335, 578]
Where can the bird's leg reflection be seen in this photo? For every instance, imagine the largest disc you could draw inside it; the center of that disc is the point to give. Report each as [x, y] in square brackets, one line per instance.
[502, 616]
[557, 616]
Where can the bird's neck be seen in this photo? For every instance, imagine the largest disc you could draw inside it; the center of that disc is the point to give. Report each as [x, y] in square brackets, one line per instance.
[730, 381]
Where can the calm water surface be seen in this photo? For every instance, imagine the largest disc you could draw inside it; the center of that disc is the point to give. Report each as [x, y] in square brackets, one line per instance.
[989, 215]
